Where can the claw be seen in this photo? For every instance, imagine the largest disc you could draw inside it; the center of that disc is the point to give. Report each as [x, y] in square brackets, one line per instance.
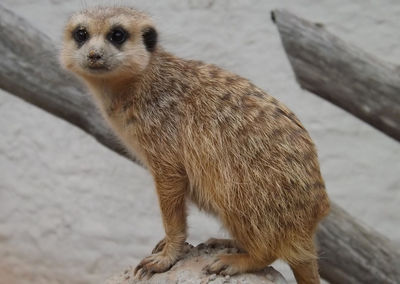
[140, 273]
[139, 266]
[223, 271]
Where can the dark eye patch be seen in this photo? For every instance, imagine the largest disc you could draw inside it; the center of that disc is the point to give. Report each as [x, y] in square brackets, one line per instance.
[117, 36]
[80, 35]
[150, 38]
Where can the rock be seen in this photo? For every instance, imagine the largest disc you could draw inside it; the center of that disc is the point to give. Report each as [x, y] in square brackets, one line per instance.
[188, 270]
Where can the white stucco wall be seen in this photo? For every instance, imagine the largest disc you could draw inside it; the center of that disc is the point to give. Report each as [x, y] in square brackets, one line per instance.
[71, 211]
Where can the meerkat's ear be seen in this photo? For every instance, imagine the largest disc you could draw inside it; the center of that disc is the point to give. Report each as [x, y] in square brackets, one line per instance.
[150, 38]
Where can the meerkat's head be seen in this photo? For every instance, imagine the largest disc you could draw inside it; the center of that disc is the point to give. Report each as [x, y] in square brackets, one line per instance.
[108, 41]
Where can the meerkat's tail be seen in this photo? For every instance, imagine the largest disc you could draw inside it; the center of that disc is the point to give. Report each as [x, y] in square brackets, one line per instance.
[306, 272]
[305, 267]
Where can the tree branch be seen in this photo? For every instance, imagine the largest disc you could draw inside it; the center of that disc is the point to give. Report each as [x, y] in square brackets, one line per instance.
[29, 70]
[341, 73]
[352, 253]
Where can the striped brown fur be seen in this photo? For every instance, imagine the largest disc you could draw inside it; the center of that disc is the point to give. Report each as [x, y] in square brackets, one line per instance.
[212, 137]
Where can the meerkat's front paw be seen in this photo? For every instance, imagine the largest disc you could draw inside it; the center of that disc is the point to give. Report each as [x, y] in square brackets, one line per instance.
[155, 263]
[164, 256]
[161, 244]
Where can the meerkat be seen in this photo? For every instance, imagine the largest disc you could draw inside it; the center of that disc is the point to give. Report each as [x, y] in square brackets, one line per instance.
[206, 135]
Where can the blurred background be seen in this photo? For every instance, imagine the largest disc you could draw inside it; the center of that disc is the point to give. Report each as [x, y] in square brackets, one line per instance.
[72, 211]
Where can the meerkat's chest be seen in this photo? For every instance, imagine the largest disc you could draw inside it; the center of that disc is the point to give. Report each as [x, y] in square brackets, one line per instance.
[125, 128]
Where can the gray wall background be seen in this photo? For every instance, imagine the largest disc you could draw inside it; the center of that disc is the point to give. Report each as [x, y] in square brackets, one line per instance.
[71, 211]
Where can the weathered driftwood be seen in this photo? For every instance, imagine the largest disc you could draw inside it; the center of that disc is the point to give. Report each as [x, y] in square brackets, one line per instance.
[29, 70]
[341, 73]
[188, 270]
[352, 253]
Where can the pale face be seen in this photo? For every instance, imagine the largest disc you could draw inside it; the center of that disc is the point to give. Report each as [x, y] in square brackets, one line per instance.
[108, 42]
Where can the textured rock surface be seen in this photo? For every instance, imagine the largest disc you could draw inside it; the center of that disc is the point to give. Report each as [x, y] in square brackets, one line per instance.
[73, 212]
[188, 270]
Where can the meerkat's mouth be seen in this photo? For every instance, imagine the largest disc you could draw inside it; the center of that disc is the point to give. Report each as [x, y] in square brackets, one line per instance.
[98, 68]
[101, 67]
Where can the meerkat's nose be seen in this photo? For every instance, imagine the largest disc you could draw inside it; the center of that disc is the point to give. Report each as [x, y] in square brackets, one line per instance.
[94, 55]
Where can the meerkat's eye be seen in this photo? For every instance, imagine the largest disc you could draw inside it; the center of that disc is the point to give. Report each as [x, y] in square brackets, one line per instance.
[80, 35]
[117, 36]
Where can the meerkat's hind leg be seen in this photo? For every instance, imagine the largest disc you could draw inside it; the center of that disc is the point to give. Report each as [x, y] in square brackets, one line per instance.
[220, 243]
[231, 264]
[306, 273]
